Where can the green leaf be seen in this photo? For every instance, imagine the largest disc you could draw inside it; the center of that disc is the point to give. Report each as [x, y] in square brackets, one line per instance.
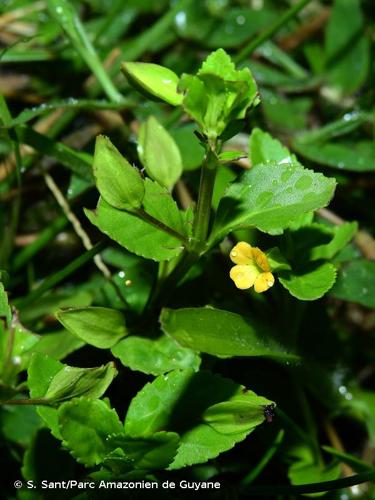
[154, 356]
[285, 115]
[356, 283]
[347, 47]
[311, 282]
[221, 333]
[120, 184]
[19, 424]
[159, 153]
[191, 150]
[179, 401]
[147, 453]
[342, 235]
[218, 94]
[22, 343]
[5, 311]
[270, 196]
[98, 326]
[57, 345]
[276, 260]
[236, 26]
[137, 235]
[304, 468]
[263, 148]
[229, 156]
[224, 176]
[154, 80]
[352, 156]
[347, 123]
[85, 425]
[40, 372]
[133, 268]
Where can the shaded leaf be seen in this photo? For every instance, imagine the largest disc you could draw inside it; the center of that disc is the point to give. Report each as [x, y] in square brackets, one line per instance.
[352, 156]
[221, 333]
[154, 356]
[148, 453]
[179, 401]
[85, 425]
[347, 47]
[356, 283]
[99, 326]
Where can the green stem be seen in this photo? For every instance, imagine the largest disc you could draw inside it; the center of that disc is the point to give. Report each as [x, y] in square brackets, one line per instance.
[24, 402]
[267, 34]
[206, 188]
[166, 287]
[254, 473]
[200, 230]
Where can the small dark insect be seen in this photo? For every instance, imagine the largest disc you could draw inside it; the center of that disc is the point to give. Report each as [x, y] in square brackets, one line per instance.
[269, 412]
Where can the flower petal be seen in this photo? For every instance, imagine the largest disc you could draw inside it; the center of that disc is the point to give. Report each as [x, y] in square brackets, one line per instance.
[260, 259]
[244, 276]
[263, 282]
[242, 253]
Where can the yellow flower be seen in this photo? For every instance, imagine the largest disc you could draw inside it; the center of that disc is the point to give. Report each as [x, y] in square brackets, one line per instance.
[252, 268]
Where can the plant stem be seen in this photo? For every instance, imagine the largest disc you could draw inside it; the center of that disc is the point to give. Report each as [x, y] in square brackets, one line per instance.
[266, 34]
[200, 229]
[254, 473]
[39, 401]
[166, 287]
[206, 188]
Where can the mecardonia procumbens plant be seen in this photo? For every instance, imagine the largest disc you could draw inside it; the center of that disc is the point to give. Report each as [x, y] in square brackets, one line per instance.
[186, 415]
